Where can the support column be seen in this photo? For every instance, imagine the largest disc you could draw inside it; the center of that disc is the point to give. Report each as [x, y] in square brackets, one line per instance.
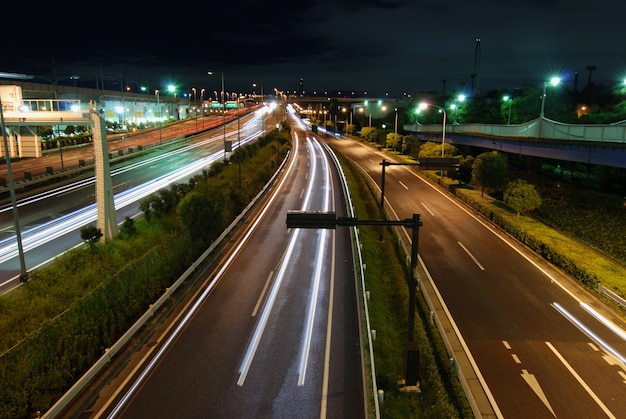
[107, 221]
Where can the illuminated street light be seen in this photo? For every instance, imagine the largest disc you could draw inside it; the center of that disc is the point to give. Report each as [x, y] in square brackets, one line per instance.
[454, 106]
[510, 101]
[553, 81]
[443, 135]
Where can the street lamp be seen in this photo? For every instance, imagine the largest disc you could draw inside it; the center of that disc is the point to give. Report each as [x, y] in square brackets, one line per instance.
[212, 73]
[202, 95]
[507, 98]
[16, 222]
[443, 135]
[454, 106]
[553, 81]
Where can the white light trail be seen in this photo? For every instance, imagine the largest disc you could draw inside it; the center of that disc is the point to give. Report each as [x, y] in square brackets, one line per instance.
[588, 332]
[317, 276]
[43, 233]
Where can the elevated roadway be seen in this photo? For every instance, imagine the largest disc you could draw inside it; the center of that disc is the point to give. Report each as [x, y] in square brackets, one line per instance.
[601, 144]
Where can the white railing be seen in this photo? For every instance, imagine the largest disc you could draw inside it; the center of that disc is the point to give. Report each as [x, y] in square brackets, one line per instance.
[537, 128]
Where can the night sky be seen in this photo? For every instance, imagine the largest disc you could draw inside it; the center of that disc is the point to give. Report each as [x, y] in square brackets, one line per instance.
[378, 46]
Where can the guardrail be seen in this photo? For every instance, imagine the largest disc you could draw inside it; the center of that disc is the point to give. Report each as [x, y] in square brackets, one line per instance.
[80, 385]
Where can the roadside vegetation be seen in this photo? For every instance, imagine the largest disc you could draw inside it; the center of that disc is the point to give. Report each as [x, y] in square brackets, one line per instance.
[55, 326]
[386, 279]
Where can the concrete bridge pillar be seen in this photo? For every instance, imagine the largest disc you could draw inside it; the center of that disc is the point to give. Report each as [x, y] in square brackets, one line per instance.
[107, 221]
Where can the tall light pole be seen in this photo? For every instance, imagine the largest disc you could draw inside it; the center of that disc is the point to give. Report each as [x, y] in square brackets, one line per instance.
[262, 105]
[160, 122]
[443, 135]
[553, 81]
[395, 130]
[507, 99]
[455, 106]
[16, 222]
[212, 73]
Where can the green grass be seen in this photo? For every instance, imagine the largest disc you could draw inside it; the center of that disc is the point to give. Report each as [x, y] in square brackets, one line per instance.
[386, 280]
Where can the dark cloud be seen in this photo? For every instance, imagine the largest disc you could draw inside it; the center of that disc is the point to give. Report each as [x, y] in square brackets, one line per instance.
[375, 45]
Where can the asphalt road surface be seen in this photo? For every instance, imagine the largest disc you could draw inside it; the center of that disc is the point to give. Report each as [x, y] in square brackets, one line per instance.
[539, 348]
[273, 331]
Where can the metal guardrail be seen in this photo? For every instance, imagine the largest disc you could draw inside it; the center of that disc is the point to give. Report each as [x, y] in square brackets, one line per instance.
[61, 404]
[612, 295]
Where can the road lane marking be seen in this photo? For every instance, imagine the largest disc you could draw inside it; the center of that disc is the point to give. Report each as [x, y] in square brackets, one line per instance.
[531, 380]
[329, 329]
[428, 209]
[580, 381]
[265, 313]
[312, 308]
[506, 344]
[262, 295]
[516, 359]
[403, 185]
[471, 256]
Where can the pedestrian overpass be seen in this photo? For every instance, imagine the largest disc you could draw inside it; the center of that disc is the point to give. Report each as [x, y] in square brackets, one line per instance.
[21, 124]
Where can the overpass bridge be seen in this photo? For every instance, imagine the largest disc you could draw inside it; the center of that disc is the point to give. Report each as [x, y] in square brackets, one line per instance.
[601, 144]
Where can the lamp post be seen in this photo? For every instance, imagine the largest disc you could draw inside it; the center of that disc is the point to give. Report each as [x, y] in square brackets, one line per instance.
[443, 135]
[395, 130]
[202, 95]
[508, 99]
[212, 73]
[16, 220]
[553, 81]
[460, 98]
[156, 93]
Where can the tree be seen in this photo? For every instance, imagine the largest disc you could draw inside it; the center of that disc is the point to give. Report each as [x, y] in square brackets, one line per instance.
[410, 145]
[369, 133]
[394, 141]
[90, 235]
[522, 196]
[201, 216]
[464, 174]
[431, 149]
[128, 229]
[489, 172]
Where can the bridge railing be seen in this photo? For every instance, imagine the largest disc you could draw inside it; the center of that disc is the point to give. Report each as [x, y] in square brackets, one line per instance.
[537, 128]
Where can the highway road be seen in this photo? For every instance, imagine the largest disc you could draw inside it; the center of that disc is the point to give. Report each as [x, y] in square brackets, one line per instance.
[542, 346]
[50, 219]
[273, 330]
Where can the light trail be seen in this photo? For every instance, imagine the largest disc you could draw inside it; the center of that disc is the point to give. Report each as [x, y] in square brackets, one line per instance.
[317, 276]
[65, 224]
